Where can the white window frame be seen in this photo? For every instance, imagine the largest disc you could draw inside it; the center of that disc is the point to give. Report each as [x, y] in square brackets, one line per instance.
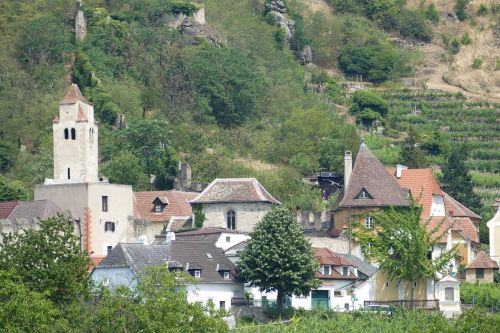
[197, 273]
[369, 222]
[327, 268]
[226, 275]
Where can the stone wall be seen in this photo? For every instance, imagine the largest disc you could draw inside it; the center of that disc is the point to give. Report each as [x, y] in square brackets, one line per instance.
[15, 226]
[247, 214]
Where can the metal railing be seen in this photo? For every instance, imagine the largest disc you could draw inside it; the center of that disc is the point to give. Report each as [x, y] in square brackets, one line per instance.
[426, 304]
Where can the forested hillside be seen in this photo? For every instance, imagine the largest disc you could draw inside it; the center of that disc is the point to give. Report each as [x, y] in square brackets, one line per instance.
[240, 95]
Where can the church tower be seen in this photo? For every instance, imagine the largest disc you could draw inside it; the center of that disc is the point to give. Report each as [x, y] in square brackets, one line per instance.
[75, 140]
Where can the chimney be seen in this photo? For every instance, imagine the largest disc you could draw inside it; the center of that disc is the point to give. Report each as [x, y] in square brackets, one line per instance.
[347, 168]
[399, 170]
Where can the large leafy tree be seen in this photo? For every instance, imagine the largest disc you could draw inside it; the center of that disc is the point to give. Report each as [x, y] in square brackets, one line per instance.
[457, 181]
[47, 260]
[278, 257]
[12, 190]
[400, 244]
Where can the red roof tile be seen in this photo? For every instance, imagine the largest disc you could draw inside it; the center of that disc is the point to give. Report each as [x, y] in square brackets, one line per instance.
[235, 190]
[457, 208]
[177, 205]
[482, 260]
[73, 95]
[6, 207]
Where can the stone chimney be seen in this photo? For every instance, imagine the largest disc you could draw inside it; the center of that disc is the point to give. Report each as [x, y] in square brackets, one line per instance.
[399, 170]
[347, 168]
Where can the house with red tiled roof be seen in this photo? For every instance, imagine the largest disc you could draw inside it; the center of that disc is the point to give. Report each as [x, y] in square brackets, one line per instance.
[481, 269]
[459, 225]
[166, 210]
[233, 203]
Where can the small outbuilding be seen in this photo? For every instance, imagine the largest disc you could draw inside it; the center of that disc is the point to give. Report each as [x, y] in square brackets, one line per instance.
[481, 269]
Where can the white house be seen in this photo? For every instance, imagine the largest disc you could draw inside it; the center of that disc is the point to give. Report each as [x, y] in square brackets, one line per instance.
[216, 274]
[104, 211]
[234, 203]
[494, 233]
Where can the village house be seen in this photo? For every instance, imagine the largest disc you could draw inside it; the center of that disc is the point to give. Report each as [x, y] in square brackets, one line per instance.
[481, 269]
[233, 203]
[215, 274]
[494, 233]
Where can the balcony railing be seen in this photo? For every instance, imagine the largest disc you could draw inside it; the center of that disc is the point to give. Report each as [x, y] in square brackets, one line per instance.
[426, 304]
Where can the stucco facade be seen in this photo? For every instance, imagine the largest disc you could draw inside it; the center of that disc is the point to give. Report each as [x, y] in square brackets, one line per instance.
[494, 234]
[248, 214]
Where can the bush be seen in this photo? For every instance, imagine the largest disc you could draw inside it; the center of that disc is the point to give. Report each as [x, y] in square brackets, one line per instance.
[460, 7]
[432, 14]
[476, 64]
[483, 10]
[368, 106]
[480, 294]
[376, 62]
[454, 46]
[412, 24]
[465, 39]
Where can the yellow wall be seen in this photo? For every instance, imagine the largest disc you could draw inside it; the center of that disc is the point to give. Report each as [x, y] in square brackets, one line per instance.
[341, 216]
[464, 253]
[420, 290]
[384, 293]
[470, 276]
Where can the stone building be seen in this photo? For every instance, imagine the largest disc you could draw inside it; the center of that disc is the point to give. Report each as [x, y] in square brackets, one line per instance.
[234, 203]
[482, 269]
[104, 211]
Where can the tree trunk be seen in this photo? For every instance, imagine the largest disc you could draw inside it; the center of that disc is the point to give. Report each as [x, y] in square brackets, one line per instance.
[412, 295]
[279, 300]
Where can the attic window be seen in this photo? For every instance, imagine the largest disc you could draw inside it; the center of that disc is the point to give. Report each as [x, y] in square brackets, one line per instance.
[197, 273]
[345, 271]
[158, 208]
[363, 194]
[226, 275]
[327, 270]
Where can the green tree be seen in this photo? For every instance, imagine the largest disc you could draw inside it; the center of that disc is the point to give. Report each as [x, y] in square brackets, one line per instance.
[278, 257]
[25, 310]
[460, 9]
[12, 190]
[400, 244]
[368, 106]
[412, 155]
[158, 305]
[126, 169]
[456, 180]
[432, 14]
[48, 260]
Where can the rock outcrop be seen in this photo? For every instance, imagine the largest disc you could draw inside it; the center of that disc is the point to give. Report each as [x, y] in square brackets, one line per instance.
[306, 55]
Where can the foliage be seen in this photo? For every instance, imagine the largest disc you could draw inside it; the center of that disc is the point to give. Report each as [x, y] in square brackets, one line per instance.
[48, 260]
[431, 13]
[400, 244]
[476, 64]
[368, 106]
[482, 10]
[199, 216]
[460, 9]
[158, 305]
[125, 168]
[480, 294]
[12, 190]
[278, 257]
[456, 180]
[412, 154]
[465, 39]
[376, 62]
[25, 310]
[413, 24]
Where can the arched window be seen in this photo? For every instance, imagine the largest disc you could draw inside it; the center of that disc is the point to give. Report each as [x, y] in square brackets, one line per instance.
[73, 134]
[231, 220]
[66, 133]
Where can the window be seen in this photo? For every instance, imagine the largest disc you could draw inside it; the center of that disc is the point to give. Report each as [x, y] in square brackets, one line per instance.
[231, 220]
[228, 239]
[326, 270]
[226, 275]
[337, 293]
[363, 194]
[387, 284]
[345, 271]
[69, 173]
[108, 249]
[158, 208]
[414, 284]
[368, 222]
[66, 134]
[222, 305]
[73, 134]
[104, 203]
[368, 248]
[109, 226]
[197, 273]
[449, 294]
[479, 273]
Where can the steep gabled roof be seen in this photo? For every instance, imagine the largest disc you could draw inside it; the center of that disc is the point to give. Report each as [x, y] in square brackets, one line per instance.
[457, 208]
[326, 257]
[482, 260]
[369, 174]
[235, 190]
[177, 204]
[6, 208]
[73, 95]
[363, 266]
[39, 209]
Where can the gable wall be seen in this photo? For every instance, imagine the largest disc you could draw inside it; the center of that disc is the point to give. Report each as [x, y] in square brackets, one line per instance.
[247, 214]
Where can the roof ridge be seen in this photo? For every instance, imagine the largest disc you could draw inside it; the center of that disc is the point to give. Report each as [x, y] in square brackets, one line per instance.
[256, 184]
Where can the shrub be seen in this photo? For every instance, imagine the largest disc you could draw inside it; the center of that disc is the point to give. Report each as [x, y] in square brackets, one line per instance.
[454, 46]
[368, 106]
[483, 10]
[476, 64]
[465, 39]
[483, 295]
[279, 36]
[432, 14]
[412, 24]
[460, 7]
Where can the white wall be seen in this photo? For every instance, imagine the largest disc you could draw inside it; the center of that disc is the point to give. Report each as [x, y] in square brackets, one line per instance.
[247, 214]
[217, 292]
[114, 277]
[228, 240]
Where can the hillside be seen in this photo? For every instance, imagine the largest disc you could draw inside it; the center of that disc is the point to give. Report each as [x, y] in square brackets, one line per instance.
[231, 95]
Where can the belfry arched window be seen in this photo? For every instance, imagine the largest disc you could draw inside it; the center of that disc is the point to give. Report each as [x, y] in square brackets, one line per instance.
[66, 134]
[231, 220]
[73, 134]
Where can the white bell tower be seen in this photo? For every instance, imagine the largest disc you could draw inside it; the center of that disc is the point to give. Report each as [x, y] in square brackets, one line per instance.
[75, 140]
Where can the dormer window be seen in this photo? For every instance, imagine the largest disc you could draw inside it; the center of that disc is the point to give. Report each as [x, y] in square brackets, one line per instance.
[159, 205]
[327, 270]
[158, 208]
[226, 275]
[197, 273]
[345, 271]
[363, 194]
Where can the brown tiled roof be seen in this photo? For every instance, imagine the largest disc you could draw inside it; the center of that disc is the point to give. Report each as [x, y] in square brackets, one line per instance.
[422, 185]
[327, 257]
[55, 120]
[177, 205]
[369, 174]
[81, 117]
[73, 95]
[482, 260]
[457, 208]
[6, 208]
[181, 223]
[40, 209]
[208, 231]
[235, 190]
